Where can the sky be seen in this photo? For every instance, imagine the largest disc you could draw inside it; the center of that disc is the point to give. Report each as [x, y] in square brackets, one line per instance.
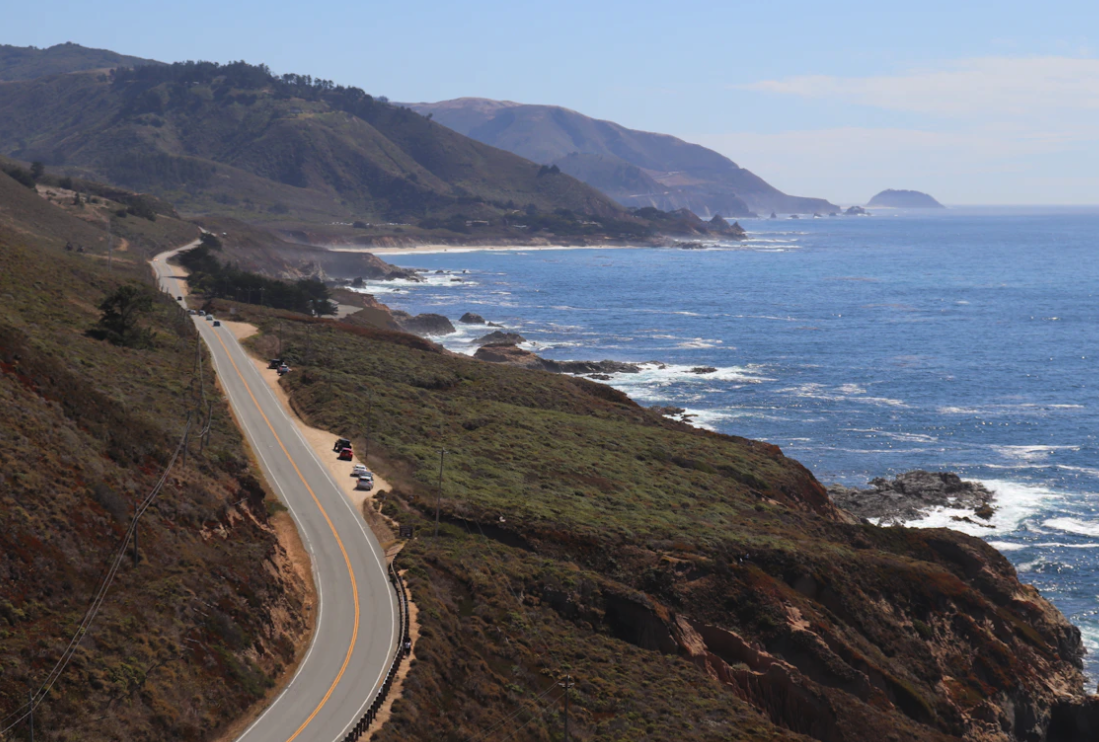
[975, 103]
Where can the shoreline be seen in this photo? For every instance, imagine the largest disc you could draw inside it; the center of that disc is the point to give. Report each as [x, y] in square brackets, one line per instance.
[436, 249]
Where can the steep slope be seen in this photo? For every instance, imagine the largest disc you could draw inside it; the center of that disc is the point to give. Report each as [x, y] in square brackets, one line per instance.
[235, 140]
[695, 586]
[200, 629]
[28, 62]
[687, 175]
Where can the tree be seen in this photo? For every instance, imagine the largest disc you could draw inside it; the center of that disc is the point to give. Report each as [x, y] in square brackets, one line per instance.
[122, 309]
[37, 169]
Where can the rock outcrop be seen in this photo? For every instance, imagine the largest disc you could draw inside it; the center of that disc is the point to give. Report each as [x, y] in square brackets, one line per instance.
[513, 356]
[469, 318]
[899, 199]
[856, 211]
[496, 337]
[911, 495]
[423, 324]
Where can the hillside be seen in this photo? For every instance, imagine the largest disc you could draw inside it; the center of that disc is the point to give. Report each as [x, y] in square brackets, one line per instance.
[899, 199]
[215, 613]
[636, 168]
[234, 140]
[29, 62]
[695, 586]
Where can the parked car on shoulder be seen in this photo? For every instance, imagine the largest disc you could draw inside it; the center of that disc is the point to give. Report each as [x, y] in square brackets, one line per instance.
[365, 483]
[274, 363]
[345, 455]
[340, 444]
[358, 470]
[284, 369]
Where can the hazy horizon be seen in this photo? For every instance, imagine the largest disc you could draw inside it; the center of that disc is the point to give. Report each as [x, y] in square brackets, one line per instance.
[968, 105]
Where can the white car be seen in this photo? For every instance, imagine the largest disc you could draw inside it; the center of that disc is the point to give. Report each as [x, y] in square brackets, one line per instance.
[358, 470]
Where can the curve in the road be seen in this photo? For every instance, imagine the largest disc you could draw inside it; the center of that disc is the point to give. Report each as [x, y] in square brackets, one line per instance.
[341, 658]
[339, 542]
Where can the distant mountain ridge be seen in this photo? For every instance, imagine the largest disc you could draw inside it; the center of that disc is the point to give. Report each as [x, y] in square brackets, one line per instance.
[636, 168]
[237, 140]
[901, 199]
[28, 62]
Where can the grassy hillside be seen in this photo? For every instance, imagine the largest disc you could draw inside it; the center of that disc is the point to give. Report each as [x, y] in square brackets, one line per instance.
[687, 175]
[29, 62]
[235, 140]
[197, 632]
[695, 586]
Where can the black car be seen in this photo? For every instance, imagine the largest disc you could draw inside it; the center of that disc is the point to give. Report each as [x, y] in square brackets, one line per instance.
[341, 444]
[274, 363]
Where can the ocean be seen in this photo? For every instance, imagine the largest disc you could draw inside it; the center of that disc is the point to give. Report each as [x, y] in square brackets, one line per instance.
[962, 340]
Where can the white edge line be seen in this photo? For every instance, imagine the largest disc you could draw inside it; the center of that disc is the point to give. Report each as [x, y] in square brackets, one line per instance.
[390, 652]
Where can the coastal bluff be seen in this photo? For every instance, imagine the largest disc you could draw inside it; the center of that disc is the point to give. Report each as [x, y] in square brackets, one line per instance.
[901, 199]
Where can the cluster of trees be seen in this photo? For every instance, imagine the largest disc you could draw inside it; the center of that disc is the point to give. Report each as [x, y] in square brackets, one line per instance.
[121, 311]
[26, 177]
[215, 279]
[242, 76]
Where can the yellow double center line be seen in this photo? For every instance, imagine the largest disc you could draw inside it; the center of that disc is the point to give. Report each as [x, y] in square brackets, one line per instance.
[339, 541]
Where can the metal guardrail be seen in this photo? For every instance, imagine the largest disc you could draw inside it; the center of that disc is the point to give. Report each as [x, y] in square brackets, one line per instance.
[404, 648]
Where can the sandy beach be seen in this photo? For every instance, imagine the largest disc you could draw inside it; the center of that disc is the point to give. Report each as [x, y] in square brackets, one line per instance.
[433, 249]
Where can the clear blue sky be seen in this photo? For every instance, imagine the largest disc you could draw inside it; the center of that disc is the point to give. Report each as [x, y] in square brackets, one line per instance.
[972, 102]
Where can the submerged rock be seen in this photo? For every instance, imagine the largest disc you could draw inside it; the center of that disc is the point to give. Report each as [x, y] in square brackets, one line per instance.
[496, 337]
[912, 495]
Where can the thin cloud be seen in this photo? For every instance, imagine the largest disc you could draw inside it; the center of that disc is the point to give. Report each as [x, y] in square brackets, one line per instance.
[990, 163]
[987, 87]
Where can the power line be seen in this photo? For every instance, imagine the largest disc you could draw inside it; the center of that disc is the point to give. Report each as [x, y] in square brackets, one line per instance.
[92, 611]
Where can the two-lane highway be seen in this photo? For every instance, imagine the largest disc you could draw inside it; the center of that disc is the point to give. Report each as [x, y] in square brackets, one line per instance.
[356, 628]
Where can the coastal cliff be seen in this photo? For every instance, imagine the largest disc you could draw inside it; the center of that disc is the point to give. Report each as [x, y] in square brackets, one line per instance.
[694, 585]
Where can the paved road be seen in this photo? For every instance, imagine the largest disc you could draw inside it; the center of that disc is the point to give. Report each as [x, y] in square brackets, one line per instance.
[357, 620]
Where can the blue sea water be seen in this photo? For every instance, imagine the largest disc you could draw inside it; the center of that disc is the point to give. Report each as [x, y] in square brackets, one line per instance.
[963, 340]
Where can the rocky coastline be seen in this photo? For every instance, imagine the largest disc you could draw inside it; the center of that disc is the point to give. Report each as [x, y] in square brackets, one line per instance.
[912, 495]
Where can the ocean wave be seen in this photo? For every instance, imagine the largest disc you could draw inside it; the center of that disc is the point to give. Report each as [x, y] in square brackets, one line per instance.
[1030, 454]
[698, 343]
[836, 394]
[904, 437]
[1073, 525]
[1023, 408]
[1014, 502]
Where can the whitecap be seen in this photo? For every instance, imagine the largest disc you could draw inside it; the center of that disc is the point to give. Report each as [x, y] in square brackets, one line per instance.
[1073, 525]
[1014, 502]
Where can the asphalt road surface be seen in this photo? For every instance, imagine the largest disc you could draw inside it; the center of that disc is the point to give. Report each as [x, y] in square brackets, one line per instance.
[353, 643]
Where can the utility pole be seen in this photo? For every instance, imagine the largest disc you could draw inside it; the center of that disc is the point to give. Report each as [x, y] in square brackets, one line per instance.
[439, 493]
[110, 242]
[280, 331]
[566, 685]
[137, 557]
[369, 415]
[30, 697]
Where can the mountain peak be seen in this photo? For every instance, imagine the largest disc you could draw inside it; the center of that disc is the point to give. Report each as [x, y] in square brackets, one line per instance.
[636, 168]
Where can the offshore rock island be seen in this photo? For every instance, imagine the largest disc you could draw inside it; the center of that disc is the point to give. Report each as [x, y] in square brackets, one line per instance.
[904, 200]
